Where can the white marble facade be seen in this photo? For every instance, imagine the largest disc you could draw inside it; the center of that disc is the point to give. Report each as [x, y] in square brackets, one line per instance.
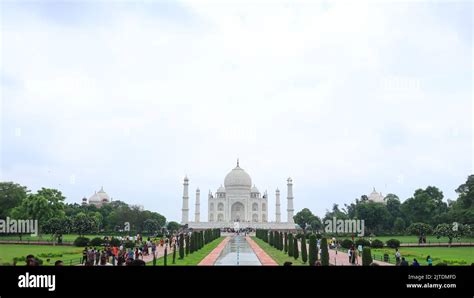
[239, 202]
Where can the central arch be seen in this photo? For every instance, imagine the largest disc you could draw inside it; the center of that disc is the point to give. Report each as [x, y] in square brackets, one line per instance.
[237, 212]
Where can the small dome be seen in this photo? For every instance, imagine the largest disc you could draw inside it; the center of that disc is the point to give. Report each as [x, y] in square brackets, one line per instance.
[254, 189]
[376, 197]
[221, 189]
[238, 178]
[100, 196]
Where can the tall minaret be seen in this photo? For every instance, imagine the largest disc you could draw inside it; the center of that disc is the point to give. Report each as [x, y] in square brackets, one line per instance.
[185, 210]
[290, 200]
[277, 206]
[197, 213]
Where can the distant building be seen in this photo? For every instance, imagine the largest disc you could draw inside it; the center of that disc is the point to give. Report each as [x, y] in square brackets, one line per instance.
[98, 199]
[376, 197]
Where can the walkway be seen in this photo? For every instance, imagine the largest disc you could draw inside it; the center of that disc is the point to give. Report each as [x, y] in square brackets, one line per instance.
[264, 258]
[212, 257]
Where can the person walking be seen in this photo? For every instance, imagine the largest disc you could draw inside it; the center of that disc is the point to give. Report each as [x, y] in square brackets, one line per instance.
[397, 257]
[429, 260]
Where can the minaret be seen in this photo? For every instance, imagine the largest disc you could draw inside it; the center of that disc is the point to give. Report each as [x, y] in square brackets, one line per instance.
[185, 210]
[197, 213]
[277, 206]
[290, 200]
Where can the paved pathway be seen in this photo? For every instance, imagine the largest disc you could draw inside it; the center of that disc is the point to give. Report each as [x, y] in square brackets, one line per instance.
[212, 257]
[262, 256]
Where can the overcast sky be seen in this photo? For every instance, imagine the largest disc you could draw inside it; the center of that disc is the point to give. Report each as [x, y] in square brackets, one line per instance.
[341, 96]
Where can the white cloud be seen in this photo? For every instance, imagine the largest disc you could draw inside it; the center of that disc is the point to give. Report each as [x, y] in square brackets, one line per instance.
[341, 96]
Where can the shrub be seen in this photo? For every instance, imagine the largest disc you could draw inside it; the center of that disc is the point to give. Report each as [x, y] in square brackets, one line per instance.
[114, 242]
[313, 250]
[376, 244]
[186, 240]
[174, 253]
[363, 242]
[324, 252]
[393, 243]
[165, 257]
[346, 243]
[285, 244]
[181, 246]
[290, 245]
[81, 241]
[296, 252]
[271, 238]
[441, 264]
[366, 256]
[96, 241]
[129, 244]
[304, 250]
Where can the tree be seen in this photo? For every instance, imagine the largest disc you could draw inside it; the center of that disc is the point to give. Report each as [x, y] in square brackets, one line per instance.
[366, 256]
[173, 226]
[304, 218]
[420, 229]
[304, 252]
[462, 210]
[165, 256]
[151, 225]
[324, 252]
[45, 204]
[290, 245]
[426, 206]
[82, 224]
[186, 240]
[399, 225]
[181, 246]
[286, 243]
[296, 253]
[375, 215]
[174, 253]
[57, 226]
[451, 231]
[11, 196]
[313, 250]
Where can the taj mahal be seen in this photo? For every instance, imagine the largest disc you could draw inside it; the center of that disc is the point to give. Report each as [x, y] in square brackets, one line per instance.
[238, 204]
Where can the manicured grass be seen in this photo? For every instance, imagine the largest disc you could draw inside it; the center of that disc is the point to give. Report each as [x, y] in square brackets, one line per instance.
[49, 237]
[278, 256]
[69, 253]
[450, 255]
[414, 239]
[191, 259]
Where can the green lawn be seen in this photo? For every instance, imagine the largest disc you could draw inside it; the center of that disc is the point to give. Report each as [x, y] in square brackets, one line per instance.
[67, 254]
[48, 237]
[414, 239]
[191, 259]
[278, 255]
[449, 255]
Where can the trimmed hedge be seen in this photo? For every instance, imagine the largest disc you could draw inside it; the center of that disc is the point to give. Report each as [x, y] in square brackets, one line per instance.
[346, 243]
[81, 241]
[376, 244]
[366, 256]
[324, 252]
[393, 243]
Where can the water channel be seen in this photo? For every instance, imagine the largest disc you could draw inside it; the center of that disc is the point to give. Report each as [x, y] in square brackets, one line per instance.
[238, 252]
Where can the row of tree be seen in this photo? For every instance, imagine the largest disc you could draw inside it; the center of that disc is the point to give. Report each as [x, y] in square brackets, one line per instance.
[394, 217]
[289, 244]
[190, 243]
[57, 217]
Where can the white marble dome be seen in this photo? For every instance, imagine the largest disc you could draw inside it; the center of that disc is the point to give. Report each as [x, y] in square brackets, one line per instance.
[238, 178]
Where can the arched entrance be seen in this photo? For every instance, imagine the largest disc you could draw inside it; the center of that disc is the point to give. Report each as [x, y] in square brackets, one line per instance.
[237, 212]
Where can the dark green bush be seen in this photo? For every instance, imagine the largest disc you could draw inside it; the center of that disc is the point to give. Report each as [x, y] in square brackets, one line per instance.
[324, 252]
[366, 256]
[393, 243]
[114, 242]
[346, 243]
[81, 241]
[304, 250]
[313, 250]
[376, 244]
[96, 241]
[363, 242]
[296, 252]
